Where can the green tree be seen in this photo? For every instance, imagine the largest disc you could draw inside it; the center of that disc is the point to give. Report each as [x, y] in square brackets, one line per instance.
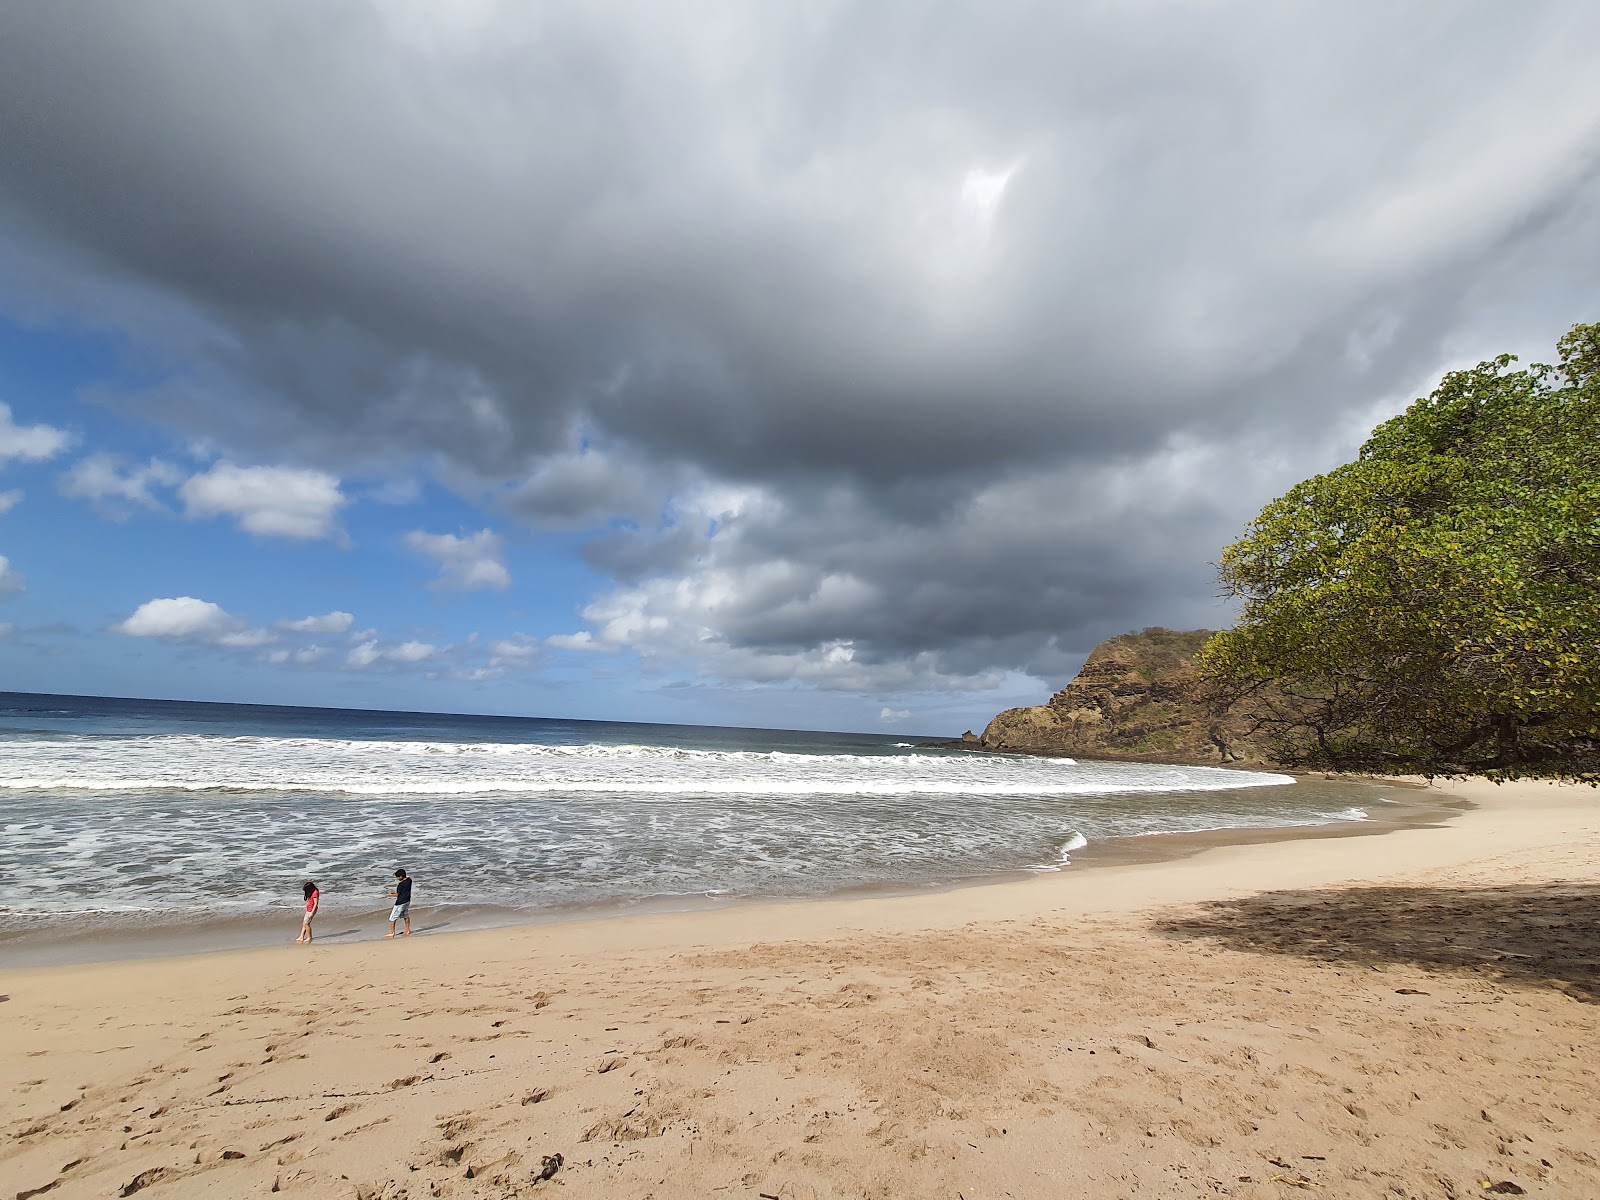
[1432, 607]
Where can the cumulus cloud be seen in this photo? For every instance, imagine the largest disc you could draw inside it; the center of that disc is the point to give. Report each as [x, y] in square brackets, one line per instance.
[9, 500]
[176, 617]
[289, 502]
[582, 640]
[10, 581]
[989, 332]
[29, 443]
[891, 716]
[302, 656]
[412, 652]
[465, 563]
[370, 652]
[518, 650]
[103, 480]
[363, 654]
[245, 639]
[470, 660]
[187, 619]
[333, 622]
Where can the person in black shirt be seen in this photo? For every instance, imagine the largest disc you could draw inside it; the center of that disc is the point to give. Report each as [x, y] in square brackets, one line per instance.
[402, 902]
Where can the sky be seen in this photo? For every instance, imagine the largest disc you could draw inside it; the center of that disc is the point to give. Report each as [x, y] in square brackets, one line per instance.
[810, 365]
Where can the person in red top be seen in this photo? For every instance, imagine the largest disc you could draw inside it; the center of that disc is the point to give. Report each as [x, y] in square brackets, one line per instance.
[312, 898]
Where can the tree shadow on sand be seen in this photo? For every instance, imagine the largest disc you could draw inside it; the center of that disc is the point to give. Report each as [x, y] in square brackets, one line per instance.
[1526, 936]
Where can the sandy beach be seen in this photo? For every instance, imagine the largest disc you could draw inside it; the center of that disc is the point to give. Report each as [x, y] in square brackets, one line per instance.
[1411, 1014]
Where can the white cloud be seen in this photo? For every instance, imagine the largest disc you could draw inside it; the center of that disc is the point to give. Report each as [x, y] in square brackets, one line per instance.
[187, 619]
[518, 652]
[334, 622]
[363, 655]
[181, 618]
[291, 502]
[10, 581]
[29, 443]
[304, 656]
[101, 480]
[519, 649]
[582, 640]
[372, 651]
[890, 716]
[9, 500]
[465, 563]
[245, 639]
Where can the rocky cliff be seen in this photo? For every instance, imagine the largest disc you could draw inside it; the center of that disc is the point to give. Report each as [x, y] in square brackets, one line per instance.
[1136, 699]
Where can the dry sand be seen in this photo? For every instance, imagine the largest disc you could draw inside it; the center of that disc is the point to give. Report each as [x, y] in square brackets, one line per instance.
[1414, 1014]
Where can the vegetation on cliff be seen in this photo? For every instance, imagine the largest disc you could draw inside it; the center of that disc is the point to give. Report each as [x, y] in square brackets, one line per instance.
[1432, 607]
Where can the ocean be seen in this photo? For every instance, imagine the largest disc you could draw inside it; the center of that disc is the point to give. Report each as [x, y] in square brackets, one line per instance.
[133, 814]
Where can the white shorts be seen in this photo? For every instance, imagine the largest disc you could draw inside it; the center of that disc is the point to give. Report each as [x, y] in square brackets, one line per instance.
[399, 912]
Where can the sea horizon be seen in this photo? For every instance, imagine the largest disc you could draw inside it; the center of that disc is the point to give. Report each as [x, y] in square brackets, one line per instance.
[428, 712]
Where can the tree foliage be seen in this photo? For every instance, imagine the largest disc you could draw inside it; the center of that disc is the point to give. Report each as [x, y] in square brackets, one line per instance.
[1432, 607]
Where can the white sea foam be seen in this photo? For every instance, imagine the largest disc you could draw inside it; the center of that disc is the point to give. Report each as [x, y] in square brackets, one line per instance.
[191, 763]
[1063, 854]
[820, 788]
[114, 826]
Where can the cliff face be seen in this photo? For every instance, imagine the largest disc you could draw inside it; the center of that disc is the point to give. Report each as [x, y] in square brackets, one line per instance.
[1135, 700]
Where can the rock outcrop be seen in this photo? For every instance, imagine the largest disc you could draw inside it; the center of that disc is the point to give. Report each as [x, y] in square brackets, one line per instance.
[1136, 699]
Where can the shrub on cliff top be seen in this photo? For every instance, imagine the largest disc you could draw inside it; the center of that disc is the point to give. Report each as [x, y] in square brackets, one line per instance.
[1432, 607]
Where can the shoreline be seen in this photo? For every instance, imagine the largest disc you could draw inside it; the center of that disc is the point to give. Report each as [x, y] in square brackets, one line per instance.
[59, 944]
[1415, 1013]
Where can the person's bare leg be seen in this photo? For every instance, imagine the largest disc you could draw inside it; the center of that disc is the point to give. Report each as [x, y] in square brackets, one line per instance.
[408, 924]
[390, 934]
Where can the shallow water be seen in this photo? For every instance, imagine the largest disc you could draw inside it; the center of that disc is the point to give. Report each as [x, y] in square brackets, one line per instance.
[119, 813]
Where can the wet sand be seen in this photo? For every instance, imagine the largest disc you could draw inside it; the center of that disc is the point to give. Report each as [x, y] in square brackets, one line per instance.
[1412, 1014]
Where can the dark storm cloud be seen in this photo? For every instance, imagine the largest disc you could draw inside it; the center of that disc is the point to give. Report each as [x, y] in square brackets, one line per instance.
[1028, 575]
[919, 289]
